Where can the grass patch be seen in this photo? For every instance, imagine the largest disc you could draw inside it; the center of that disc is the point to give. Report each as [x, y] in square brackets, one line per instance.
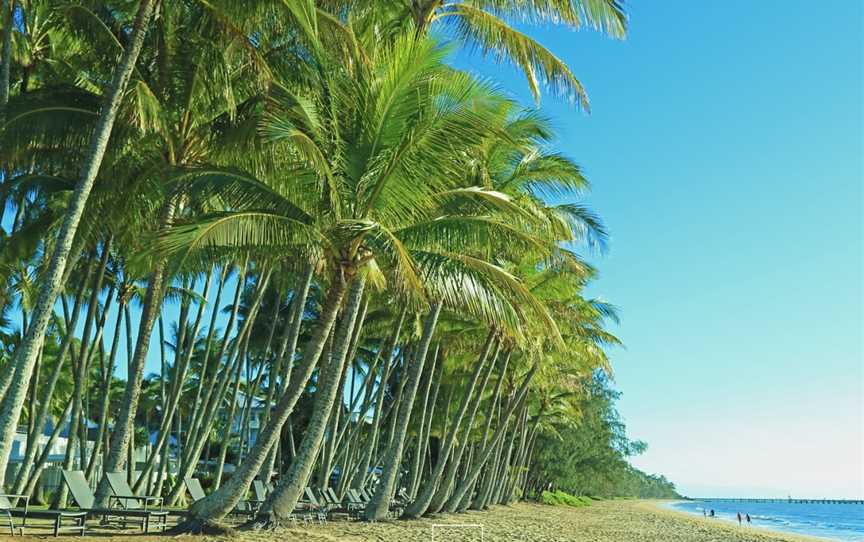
[560, 498]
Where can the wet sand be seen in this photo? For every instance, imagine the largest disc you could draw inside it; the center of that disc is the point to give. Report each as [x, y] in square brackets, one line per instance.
[608, 521]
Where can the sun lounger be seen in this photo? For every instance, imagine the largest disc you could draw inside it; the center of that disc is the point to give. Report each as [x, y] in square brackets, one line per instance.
[86, 500]
[196, 491]
[78, 519]
[126, 498]
[318, 510]
[193, 486]
[355, 505]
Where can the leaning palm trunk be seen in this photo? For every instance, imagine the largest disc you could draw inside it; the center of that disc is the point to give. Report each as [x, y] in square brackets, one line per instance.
[379, 506]
[426, 431]
[446, 486]
[43, 457]
[28, 352]
[42, 414]
[122, 447]
[80, 375]
[243, 340]
[180, 371]
[359, 476]
[219, 503]
[282, 501]
[286, 351]
[6, 9]
[479, 463]
[422, 502]
[416, 464]
[202, 423]
[208, 346]
[496, 406]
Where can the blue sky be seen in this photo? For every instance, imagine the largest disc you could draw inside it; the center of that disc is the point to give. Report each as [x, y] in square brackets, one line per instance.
[725, 149]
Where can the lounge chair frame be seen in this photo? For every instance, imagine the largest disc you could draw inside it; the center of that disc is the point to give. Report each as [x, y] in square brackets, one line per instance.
[56, 516]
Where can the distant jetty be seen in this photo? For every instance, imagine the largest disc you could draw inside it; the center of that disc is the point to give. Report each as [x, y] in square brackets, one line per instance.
[787, 500]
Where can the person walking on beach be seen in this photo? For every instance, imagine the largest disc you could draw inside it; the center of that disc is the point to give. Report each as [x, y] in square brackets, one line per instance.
[739, 519]
[748, 518]
[705, 512]
[711, 514]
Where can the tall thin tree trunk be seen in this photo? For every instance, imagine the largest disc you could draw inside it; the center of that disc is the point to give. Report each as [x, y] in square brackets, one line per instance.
[359, 477]
[7, 7]
[282, 501]
[479, 463]
[123, 437]
[379, 506]
[203, 415]
[48, 394]
[286, 358]
[185, 350]
[425, 431]
[440, 498]
[219, 503]
[28, 351]
[422, 503]
[416, 463]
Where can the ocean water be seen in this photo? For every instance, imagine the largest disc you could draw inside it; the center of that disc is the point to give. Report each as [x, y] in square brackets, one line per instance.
[843, 522]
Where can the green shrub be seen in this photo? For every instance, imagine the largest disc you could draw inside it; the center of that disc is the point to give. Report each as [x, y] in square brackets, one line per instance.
[560, 498]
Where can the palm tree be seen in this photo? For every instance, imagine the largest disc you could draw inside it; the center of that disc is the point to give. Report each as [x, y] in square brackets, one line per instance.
[27, 354]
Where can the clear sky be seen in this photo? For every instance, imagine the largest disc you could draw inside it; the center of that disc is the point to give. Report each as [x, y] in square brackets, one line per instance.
[725, 148]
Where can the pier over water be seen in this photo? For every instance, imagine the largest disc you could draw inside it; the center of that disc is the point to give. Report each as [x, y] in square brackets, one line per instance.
[787, 500]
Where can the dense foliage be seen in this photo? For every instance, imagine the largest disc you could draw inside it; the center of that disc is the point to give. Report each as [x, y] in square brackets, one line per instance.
[353, 265]
[588, 454]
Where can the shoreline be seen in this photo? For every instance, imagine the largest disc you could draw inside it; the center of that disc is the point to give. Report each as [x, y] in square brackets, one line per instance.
[665, 506]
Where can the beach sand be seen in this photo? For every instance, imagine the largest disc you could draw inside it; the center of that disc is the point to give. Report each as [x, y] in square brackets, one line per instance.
[606, 521]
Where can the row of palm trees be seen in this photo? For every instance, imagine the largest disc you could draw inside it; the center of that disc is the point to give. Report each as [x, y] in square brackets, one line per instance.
[307, 205]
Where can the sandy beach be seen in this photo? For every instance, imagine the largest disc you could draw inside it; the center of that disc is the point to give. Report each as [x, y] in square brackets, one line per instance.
[608, 521]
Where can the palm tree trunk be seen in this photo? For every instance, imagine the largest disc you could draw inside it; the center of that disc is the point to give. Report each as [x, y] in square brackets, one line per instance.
[185, 348]
[379, 506]
[26, 354]
[359, 476]
[80, 376]
[474, 472]
[422, 503]
[446, 486]
[286, 350]
[219, 503]
[229, 420]
[208, 344]
[48, 394]
[282, 501]
[123, 437]
[107, 373]
[43, 457]
[496, 406]
[426, 431]
[201, 425]
[6, 10]
[416, 465]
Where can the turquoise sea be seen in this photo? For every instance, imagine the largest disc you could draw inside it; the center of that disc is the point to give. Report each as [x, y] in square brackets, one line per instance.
[844, 522]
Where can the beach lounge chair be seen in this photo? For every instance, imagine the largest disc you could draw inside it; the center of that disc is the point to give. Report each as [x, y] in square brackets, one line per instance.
[260, 491]
[193, 486]
[86, 500]
[126, 498]
[355, 505]
[196, 491]
[77, 519]
[314, 506]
